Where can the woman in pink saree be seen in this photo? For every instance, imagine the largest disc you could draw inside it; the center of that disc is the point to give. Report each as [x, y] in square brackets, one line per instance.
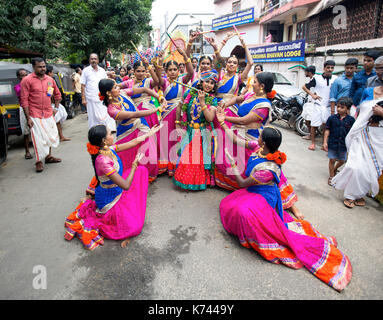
[173, 92]
[255, 215]
[118, 209]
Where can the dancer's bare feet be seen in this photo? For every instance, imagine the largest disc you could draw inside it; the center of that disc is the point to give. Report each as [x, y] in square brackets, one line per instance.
[312, 147]
[64, 139]
[125, 243]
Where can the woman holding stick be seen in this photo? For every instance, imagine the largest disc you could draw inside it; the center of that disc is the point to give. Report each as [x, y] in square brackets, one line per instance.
[173, 93]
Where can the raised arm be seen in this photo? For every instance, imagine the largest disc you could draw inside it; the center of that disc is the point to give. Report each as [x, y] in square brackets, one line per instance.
[194, 35]
[189, 66]
[152, 72]
[249, 58]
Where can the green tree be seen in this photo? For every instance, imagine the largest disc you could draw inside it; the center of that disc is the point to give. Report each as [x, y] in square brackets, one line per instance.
[75, 28]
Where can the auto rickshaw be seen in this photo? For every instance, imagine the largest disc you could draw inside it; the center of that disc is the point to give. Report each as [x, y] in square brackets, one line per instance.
[63, 77]
[3, 134]
[8, 80]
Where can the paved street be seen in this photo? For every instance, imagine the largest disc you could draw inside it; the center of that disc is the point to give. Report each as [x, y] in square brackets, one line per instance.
[183, 251]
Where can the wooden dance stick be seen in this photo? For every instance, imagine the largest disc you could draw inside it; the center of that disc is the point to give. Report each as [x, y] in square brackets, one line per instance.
[172, 40]
[137, 50]
[212, 31]
[192, 88]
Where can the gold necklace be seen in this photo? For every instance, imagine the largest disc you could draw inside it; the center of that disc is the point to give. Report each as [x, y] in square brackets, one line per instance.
[106, 151]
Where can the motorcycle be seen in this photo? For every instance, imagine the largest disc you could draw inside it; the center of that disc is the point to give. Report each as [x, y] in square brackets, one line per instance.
[289, 109]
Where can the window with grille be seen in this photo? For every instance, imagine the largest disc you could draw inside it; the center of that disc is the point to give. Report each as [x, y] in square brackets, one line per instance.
[236, 6]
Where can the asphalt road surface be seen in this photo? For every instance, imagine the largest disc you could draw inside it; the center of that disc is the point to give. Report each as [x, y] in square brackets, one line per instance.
[183, 251]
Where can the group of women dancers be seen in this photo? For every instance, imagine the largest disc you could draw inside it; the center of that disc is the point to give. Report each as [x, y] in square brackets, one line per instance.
[202, 134]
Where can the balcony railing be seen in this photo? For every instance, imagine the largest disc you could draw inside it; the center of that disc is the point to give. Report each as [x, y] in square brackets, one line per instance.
[271, 5]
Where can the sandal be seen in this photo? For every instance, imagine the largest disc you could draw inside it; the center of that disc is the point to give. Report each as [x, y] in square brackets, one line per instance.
[39, 166]
[28, 156]
[349, 203]
[312, 147]
[360, 202]
[329, 181]
[52, 160]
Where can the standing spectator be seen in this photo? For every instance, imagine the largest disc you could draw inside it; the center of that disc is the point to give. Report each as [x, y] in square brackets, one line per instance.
[59, 113]
[342, 85]
[337, 128]
[359, 81]
[319, 89]
[90, 77]
[77, 89]
[377, 80]
[181, 66]
[121, 74]
[194, 62]
[309, 105]
[36, 91]
[20, 74]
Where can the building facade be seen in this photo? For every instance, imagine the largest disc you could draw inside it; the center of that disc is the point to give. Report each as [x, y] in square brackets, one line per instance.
[329, 29]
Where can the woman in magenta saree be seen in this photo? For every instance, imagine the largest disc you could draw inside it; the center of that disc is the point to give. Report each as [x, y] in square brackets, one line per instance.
[131, 123]
[143, 101]
[118, 209]
[173, 93]
[252, 116]
[255, 215]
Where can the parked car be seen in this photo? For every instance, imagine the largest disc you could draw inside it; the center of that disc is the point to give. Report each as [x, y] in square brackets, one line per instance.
[285, 87]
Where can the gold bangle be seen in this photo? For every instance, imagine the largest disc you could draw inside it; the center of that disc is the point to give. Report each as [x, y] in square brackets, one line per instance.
[150, 67]
[188, 60]
[177, 122]
[216, 52]
[233, 165]
[203, 108]
[160, 109]
[222, 123]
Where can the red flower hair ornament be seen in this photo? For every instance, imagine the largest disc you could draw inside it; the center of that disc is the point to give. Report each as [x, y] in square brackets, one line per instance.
[278, 157]
[92, 149]
[101, 96]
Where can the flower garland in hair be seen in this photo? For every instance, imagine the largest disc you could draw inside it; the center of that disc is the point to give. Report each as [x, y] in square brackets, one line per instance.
[93, 150]
[101, 96]
[271, 95]
[278, 157]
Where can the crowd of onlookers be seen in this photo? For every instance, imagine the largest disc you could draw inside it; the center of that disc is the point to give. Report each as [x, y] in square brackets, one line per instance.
[335, 103]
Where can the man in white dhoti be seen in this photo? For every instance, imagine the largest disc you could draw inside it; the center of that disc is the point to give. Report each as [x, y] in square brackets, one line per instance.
[36, 91]
[60, 114]
[365, 155]
[97, 112]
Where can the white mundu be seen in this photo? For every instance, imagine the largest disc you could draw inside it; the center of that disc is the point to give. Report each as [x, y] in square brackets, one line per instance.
[365, 157]
[44, 135]
[97, 111]
[321, 110]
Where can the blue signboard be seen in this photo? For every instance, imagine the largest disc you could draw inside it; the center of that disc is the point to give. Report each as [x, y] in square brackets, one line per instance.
[235, 19]
[280, 52]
